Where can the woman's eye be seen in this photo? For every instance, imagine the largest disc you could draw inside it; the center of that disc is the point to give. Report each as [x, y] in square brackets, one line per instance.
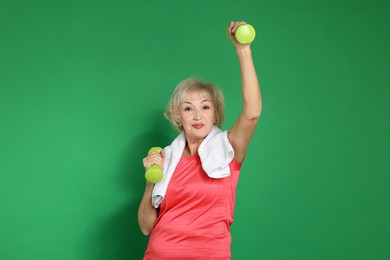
[206, 107]
[187, 109]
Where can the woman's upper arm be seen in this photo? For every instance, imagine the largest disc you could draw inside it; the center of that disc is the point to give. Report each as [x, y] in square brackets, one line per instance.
[240, 135]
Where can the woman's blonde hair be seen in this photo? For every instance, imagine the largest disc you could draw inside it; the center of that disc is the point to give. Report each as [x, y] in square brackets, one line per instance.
[189, 85]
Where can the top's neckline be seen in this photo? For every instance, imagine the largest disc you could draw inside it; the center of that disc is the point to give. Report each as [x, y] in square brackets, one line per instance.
[190, 157]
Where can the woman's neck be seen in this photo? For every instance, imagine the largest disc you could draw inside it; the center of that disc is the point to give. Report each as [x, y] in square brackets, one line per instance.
[192, 146]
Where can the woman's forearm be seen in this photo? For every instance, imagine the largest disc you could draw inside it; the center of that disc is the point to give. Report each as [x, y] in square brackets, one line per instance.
[250, 84]
[147, 214]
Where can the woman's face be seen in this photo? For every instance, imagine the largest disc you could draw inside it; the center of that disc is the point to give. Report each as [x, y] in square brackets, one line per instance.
[197, 114]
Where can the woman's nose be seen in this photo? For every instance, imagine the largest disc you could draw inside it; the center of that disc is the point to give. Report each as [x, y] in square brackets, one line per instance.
[197, 115]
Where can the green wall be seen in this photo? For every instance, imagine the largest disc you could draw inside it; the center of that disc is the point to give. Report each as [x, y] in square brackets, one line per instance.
[83, 85]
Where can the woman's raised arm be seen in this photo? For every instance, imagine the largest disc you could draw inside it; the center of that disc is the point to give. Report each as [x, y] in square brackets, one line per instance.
[243, 129]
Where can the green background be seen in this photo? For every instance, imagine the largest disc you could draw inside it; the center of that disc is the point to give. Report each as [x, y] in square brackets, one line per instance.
[83, 85]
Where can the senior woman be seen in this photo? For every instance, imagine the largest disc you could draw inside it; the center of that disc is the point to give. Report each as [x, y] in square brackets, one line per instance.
[188, 215]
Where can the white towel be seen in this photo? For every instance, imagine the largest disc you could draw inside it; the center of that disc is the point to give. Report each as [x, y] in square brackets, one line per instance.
[215, 153]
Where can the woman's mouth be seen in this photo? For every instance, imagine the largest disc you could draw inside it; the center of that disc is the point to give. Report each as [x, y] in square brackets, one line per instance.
[198, 126]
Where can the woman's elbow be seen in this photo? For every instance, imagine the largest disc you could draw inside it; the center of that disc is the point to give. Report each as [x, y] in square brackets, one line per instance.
[252, 114]
[256, 114]
[147, 225]
[259, 112]
[146, 231]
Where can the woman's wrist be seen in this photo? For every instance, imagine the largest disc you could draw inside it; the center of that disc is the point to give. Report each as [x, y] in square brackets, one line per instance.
[243, 50]
[149, 187]
[244, 53]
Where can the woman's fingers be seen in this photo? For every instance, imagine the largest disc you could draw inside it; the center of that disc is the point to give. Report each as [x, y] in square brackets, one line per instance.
[232, 30]
[153, 158]
[235, 25]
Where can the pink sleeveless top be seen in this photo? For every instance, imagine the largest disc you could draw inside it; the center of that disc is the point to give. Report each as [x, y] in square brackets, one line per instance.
[195, 215]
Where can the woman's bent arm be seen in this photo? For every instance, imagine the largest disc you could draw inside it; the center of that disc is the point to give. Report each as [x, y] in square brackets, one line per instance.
[243, 129]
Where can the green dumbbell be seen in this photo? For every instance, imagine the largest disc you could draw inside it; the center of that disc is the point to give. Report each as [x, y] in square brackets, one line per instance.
[154, 173]
[245, 33]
